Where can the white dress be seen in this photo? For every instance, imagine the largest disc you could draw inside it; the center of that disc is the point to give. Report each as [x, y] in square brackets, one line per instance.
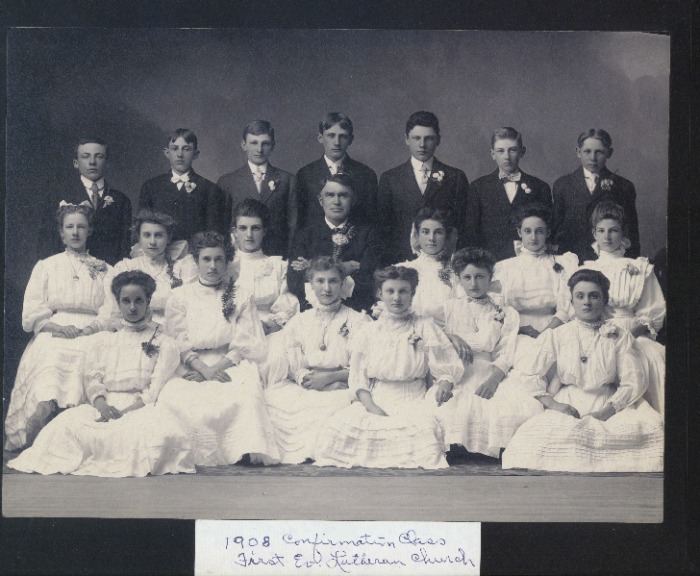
[636, 298]
[315, 339]
[535, 285]
[264, 278]
[228, 419]
[52, 368]
[392, 358]
[479, 424]
[141, 442]
[629, 441]
[436, 284]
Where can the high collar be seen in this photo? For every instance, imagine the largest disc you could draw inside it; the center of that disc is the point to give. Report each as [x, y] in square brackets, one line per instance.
[417, 165]
[541, 252]
[589, 325]
[331, 308]
[255, 168]
[603, 255]
[139, 326]
[257, 255]
[87, 183]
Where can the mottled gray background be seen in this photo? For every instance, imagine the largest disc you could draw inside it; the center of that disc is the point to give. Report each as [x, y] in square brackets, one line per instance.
[133, 86]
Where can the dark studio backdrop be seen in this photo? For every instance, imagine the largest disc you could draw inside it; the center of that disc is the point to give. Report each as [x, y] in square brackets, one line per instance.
[131, 87]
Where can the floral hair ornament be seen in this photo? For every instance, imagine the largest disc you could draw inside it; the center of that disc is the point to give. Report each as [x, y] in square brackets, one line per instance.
[149, 348]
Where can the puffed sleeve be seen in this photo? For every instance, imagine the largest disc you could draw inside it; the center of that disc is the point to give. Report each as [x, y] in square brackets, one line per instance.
[630, 371]
[248, 336]
[569, 264]
[357, 375]
[443, 361]
[108, 315]
[99, 347]
[533, 375]
[186, 269]
[504, 351]
[287, 304]
[35, 310]
[166, 364]
[176, 323]
[298, 366]
[651, 308]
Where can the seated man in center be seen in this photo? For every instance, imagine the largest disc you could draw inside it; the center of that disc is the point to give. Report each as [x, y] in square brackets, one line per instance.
[354, 244]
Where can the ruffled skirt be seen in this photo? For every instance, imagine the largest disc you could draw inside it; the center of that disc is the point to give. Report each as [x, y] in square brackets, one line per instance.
[141, 442]
[630, 441]
[50, 369]
[409, 437]
[225, 419]
[485, 425]
[298, 416]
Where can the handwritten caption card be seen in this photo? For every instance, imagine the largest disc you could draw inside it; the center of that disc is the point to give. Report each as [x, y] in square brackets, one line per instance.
[279, 548]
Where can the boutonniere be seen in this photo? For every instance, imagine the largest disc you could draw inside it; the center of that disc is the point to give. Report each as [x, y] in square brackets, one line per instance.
[414, 340]
[272, 184]
[189, 186]
[174, 280]
[525, 188]
[438, 176]
[341, 239]
[149, 348]
[266, 270]
[558, 268]
[631, 269]
[500, 315]
[228, 306]
[344, 330]
[445, 275]
[609, 331]
[606, 184]
[95, 266]
[107, 200]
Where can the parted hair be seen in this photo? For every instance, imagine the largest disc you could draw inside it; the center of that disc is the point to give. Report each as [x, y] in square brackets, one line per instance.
[251, 208]
[185, 133]
[476, 257]
[211, 239]
[321, 264]
[423, 118]
[83, 141]
[609, 210]
[442, 215]
[395, 273]
[83, 209]
[135, 277]
[148, 216]
[598, 134]
[532, 209]
[258, 127]
[594, 276]
[506, 133]
[333, 118]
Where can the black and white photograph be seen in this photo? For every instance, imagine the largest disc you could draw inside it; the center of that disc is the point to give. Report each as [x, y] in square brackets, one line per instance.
[336, 274]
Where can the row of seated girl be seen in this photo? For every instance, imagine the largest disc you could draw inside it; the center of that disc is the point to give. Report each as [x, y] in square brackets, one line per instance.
[377, 413]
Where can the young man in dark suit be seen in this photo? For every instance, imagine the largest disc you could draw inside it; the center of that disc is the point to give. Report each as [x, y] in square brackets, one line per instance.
[577, 194]
[353, 243]
[111, 236]
[335, 134]
[421, 181]
[194, 202]
[494, 198]
[262, 181]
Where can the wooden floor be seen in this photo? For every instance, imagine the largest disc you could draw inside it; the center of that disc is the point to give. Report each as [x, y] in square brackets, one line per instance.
[462, 495]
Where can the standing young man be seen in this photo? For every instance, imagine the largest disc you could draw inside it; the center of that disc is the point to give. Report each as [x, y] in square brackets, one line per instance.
[421, 181]
[260, 180]
[577, 194]
[494, 198]
[111, 235]
[335, 134]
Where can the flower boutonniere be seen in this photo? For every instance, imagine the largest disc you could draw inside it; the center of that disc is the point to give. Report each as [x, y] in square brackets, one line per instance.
[609, 331]
[438, 176]
[228, 306]
[174, 280]
[500, 315]
[189, 186]
[149, 348]
[107, 200]
[414, 340]
[95, 266]
[525, 188]
[631, 269]
[342, 239]
[266, 270]
[558, 268]
[272, 184]
[344, 330]
[606, 184]
[445, 275]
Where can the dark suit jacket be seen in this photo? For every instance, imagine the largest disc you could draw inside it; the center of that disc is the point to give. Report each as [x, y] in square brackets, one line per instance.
[111, 235]
[400, 199]
[574, 204]
[240, 185]
[488, 221]
[316, 241]
[310, 182]
[205, 208]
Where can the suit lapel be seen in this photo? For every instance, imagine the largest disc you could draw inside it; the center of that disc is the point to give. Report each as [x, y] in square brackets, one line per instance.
[410, 182]
[265, 191]
[580, 183]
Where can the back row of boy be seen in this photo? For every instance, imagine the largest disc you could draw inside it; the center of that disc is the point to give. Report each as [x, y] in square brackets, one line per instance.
[483, 210]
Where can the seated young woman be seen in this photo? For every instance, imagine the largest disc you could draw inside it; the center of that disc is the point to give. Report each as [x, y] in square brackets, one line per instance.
[597, 421]
[318, 352]
[156, 255]
[264, 278]
[121, 432]
[217, 394]
[61, 301]
[488, 405]
[534, 281]
[636, 299]
[389, 423]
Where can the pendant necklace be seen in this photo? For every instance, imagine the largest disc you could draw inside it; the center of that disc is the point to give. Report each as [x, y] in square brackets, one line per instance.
[75, 272]
[481, 302]
[324, 330]
[583, 356]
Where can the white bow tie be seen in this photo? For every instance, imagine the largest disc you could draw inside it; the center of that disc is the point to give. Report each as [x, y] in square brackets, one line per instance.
[177, 179]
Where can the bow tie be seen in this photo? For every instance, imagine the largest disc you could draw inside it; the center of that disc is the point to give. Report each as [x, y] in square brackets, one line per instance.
[504, 177]
[258, 176]
[483, 301]
[338, 230]
[178, 179]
